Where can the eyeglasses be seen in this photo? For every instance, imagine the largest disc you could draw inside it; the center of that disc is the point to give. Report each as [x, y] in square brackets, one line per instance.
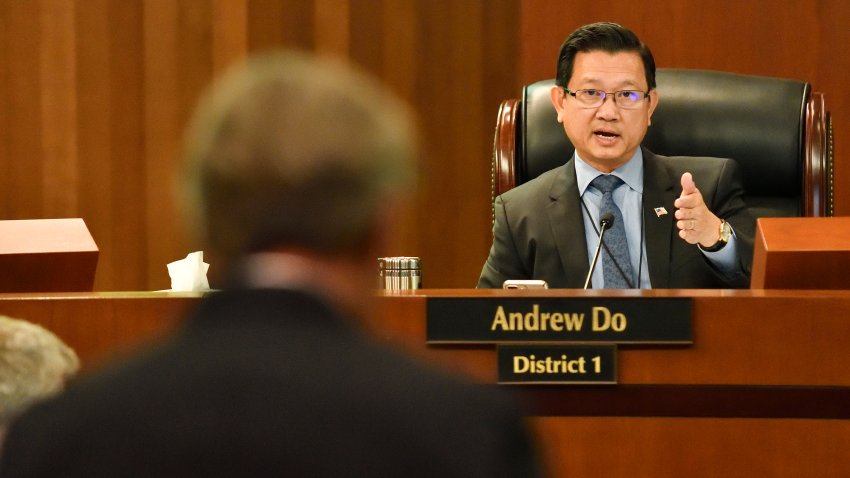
[627, 99]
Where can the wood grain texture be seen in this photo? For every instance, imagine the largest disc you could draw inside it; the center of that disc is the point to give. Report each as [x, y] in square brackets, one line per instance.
[96, 94]
[696, 447]
[782, 354]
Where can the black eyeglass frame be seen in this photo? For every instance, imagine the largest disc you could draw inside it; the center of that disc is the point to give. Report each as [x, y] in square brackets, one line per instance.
[605, 95]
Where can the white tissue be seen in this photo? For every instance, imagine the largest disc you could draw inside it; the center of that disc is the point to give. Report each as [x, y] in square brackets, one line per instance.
[189, 274]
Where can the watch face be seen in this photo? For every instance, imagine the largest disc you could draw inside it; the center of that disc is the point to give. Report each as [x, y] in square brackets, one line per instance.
[725, 231]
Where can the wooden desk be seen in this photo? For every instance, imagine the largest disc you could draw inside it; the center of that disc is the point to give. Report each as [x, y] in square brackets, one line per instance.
[101, 325]
[763, 391]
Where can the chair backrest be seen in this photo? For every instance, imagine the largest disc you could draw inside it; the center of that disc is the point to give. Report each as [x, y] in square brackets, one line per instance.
[777, 129]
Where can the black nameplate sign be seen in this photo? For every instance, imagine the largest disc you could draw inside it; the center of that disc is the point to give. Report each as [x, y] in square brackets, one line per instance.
[557, 364]
[645, 320]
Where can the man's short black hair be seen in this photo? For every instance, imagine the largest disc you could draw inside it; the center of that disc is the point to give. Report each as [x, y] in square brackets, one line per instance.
[607, 37]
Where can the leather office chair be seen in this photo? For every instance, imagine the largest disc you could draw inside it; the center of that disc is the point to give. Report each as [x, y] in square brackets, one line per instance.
[778, 130]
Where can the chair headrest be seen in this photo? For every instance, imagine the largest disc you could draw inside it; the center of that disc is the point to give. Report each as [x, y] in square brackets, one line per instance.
[758, 121]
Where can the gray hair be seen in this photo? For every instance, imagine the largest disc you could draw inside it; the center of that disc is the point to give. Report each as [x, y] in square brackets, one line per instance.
[289, 149]
[34, 364]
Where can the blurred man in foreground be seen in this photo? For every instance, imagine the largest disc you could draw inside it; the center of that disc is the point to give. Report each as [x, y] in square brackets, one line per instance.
[294, 168]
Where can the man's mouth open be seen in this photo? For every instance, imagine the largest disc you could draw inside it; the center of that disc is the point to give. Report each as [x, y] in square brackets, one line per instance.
[607, 135]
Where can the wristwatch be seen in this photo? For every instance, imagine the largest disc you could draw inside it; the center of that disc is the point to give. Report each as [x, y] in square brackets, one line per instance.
[725, 231]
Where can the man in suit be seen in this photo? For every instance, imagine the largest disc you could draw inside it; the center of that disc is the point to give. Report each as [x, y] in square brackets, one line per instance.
[672, 234]
[295, 167]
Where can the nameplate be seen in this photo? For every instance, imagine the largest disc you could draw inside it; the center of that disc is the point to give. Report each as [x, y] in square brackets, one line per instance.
[645, 320]
[557, 364]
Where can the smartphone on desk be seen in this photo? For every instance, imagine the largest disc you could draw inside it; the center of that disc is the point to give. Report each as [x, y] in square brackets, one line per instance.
[525, 284]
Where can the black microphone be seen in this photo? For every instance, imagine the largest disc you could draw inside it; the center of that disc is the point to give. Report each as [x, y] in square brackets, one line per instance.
[606, 220]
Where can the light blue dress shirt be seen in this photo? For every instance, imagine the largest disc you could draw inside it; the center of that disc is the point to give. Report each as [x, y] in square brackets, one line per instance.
[628, 198]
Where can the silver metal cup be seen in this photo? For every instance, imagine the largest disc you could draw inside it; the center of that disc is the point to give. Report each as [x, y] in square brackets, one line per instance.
[399, 273]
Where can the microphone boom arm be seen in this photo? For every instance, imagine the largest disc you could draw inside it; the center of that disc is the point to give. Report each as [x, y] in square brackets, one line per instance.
[604, 222]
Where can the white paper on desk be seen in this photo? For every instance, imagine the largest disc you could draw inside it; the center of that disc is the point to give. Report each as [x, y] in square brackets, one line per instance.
[189, 274]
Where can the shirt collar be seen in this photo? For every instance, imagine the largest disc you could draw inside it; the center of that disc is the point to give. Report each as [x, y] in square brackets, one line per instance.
[631, 172]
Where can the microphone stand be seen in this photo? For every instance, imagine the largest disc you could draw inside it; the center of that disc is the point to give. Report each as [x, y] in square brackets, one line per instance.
[605, 222]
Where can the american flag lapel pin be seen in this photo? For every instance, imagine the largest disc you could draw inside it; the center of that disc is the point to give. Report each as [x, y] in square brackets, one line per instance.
[660, 211]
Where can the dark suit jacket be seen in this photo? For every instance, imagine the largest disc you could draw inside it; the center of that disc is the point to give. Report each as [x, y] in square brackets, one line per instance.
[538, 231]
[269, 383]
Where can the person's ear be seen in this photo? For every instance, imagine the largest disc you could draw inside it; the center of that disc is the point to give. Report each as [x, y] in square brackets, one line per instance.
[556, 95]
[653, 102]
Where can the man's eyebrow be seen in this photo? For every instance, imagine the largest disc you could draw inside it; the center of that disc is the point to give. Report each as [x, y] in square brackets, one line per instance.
[594, 82]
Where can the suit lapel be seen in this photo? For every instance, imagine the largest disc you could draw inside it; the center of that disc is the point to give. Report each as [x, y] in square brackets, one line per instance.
[658, 191]
[565, 217]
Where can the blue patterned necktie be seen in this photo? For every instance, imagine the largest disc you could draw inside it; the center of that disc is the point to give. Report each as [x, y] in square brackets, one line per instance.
[616, 252]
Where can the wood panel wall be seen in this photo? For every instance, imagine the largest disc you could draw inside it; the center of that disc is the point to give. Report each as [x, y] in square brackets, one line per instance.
[95, 94]
[799, 39]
